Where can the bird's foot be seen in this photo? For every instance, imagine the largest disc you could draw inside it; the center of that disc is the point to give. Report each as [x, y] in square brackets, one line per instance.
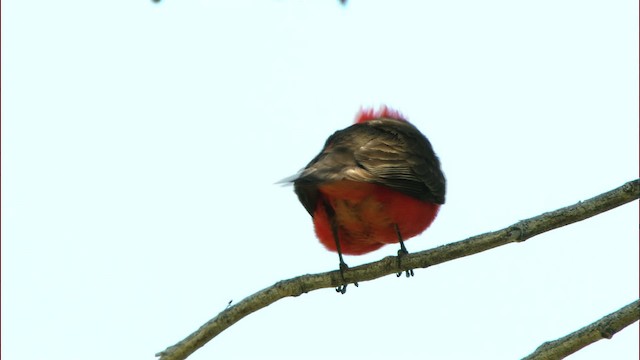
[401, 253]
[343, 288]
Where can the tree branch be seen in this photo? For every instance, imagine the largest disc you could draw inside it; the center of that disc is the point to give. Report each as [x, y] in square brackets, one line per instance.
[518, 232]
[604, 328]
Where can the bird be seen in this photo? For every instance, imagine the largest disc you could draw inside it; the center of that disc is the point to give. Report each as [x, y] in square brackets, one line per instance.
[374, 183]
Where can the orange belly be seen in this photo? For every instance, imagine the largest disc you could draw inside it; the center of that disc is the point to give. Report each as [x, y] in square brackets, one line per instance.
[366, 213]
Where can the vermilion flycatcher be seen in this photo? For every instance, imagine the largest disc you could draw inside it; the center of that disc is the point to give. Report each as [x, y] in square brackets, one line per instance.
[376, 182]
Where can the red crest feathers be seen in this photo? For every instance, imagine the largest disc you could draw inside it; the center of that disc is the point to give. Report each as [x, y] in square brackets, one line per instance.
[366, 114]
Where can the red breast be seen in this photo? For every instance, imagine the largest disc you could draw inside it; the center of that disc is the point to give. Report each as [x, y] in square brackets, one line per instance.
[366, 214]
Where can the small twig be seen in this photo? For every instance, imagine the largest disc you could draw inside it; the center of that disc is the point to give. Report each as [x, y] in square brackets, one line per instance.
[604, 328]
[302, 284]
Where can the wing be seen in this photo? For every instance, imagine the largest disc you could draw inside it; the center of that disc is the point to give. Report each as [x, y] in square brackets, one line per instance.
[402, 158]
[387, 152]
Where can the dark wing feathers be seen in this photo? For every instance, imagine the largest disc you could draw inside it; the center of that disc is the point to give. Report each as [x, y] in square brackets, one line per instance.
[387, 152]
[402, 158]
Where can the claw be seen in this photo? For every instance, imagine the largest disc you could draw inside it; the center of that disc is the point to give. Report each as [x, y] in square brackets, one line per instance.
[343, 288]
[401, 253]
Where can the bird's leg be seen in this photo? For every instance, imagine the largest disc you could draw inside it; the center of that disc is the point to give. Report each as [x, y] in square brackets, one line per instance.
[343, 265]
[402, 252]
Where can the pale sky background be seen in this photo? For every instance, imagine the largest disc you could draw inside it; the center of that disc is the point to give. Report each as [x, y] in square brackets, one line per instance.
[141, 144]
